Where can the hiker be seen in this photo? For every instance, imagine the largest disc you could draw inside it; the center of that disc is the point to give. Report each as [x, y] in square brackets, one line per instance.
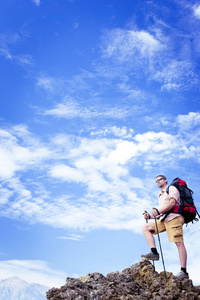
[172, 223]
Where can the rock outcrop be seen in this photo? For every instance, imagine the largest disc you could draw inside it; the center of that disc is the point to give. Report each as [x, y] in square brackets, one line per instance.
[140, 281]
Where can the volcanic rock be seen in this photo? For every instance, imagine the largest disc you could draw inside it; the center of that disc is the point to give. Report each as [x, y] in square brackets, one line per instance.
[140, 281]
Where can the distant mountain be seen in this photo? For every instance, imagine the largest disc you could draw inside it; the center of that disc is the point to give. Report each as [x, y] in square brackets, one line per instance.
[14, 288]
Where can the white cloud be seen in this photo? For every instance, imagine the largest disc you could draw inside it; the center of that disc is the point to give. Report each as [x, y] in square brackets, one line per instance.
[5, 194]
[46, 82]
[32, 271]
[51, 84]
[67, 173]
[15, 184]
[16, 154]
[37, 2]
[170, 86]
[123, 132]
[155, 142]
[91, 166]
[132, 93]
[189, 121]
[196, 10]
[123, 152]
[192, 242]
[93, 175]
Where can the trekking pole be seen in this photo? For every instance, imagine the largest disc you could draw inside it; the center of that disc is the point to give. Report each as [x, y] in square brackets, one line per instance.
[160, 246]
[145, 212]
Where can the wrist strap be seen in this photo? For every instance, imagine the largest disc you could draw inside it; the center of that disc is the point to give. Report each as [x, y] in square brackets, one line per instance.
[156, 210]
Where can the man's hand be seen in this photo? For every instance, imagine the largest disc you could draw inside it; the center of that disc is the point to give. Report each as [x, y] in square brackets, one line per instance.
[155, 213]
[165, 208]
[146, 216]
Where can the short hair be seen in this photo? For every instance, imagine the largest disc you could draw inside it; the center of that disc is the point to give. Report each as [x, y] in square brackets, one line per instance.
[161, 176]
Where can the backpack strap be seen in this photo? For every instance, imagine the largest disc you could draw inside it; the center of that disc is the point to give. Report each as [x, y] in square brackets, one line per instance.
[169, 211]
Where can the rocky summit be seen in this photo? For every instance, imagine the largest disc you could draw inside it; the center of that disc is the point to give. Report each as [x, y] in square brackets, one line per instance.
[140, 281]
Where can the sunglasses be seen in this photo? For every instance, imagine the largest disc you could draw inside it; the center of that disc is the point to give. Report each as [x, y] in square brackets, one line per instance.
[159, 179]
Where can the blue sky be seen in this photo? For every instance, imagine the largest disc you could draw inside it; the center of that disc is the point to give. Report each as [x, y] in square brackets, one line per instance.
[97, 98]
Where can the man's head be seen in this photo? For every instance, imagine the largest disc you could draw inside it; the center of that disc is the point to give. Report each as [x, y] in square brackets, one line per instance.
[161, 180]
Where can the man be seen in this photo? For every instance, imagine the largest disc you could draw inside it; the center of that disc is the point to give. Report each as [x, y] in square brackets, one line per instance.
[173, 224]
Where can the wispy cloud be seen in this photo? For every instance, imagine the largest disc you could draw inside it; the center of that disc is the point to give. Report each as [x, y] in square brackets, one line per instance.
[151, 54]
[73, 237]
[85, 96]
[124, 44]
[170, 86]
[23, 60]
[8, 40]
[174, 74]
[52, 84]
[15, 152]
[71, 109]
[127, 55]
[123, 132]
[36, 271]
[6, 54]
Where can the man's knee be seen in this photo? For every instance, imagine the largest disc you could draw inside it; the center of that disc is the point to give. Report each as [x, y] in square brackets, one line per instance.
[147, 227]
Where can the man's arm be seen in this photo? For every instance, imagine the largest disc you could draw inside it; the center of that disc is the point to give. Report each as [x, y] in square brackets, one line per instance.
[165, 208]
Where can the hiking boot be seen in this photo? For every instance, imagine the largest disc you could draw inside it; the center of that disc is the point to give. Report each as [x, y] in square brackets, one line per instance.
[151, 256]
[181, 275]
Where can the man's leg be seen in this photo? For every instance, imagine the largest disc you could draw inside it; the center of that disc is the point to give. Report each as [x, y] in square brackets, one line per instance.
[176, 235]
[147, 231]
[182, 254]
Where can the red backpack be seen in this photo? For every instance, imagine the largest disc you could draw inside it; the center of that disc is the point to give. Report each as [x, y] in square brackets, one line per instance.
[187, 208]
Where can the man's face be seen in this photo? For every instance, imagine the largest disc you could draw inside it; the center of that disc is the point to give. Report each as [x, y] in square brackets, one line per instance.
[161, 181]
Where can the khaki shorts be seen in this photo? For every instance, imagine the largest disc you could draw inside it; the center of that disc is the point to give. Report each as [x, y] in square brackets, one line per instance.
[174, 229]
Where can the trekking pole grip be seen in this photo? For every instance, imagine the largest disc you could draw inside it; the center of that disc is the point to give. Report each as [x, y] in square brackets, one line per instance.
[156, 210]
[145, 212]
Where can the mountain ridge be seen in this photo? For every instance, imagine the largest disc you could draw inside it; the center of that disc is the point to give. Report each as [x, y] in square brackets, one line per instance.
[140, 281]
[14, 288]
